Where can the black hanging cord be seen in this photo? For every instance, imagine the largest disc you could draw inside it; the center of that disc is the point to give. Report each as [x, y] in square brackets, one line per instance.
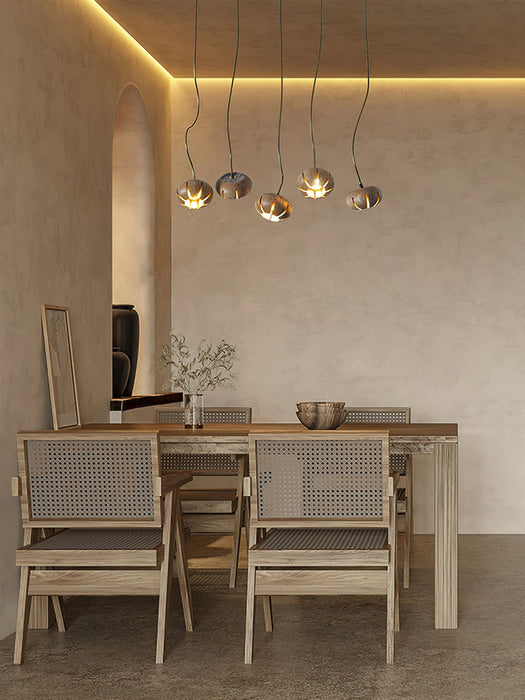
[281, 103]
[313, 86]
[366, 97]
[196, 89]
[230, 97]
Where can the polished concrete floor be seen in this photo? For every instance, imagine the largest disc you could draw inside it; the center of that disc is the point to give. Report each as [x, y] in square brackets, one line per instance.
[322, 648]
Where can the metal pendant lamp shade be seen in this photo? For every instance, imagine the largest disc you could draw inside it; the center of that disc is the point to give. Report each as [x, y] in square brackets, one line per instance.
[315, 183]
[273, 207]
[194, 194]
[233, 185]
[363, 197]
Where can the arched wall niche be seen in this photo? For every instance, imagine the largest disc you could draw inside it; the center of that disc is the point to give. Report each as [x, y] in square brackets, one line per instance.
[134, 225]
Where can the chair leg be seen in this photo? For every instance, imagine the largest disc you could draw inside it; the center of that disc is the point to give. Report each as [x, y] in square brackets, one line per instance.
[237, 527]
[268, 616]
[181, 563]
[250, 615]
[22, 615]
[165, 576]
[59, 612]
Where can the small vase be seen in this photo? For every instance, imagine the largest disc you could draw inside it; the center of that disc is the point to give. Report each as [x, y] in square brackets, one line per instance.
[194, 411]
[121, 368]
[126, 337]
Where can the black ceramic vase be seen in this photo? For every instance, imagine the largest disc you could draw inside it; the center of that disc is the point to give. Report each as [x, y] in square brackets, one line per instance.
[121, 367]
[126, 337]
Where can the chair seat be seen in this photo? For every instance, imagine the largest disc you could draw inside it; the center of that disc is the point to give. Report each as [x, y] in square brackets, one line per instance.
[324, 539]
[83, 547]
[208, 500]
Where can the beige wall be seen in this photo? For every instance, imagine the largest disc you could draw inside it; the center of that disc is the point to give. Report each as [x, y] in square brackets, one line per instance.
[419, 302]
[134, 226]
[62, 71]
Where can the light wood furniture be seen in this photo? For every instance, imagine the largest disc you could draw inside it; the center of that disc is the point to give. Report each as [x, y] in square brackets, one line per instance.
[205, 508]
[402, 464]
[98, 519]
[325, 503]
[439, 439]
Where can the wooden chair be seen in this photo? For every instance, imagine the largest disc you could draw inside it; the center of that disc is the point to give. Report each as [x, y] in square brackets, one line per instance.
[209, 509]
[402, 464]
[98, 519]
[328, 499]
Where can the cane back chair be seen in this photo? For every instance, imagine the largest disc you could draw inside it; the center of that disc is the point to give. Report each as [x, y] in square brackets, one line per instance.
[402, 464]
[322, 521]
[98, 519]
[208, 509]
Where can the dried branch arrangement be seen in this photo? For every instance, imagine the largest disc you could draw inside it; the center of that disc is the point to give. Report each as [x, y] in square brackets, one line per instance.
[205, 369]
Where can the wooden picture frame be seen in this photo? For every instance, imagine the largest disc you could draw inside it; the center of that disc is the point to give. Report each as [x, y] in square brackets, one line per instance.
[60, 366]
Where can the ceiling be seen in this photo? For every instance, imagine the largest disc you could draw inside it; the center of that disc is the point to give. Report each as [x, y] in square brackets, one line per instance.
[408, 38]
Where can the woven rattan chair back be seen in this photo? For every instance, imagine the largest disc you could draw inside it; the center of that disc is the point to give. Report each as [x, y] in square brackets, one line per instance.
[90, 481]
[204, 464]
[217, 414]
[382, 415]
[315, 479]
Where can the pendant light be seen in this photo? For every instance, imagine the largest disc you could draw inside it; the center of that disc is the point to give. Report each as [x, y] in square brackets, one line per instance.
[194, 194]
[315, 182]
[272, 206]
[233, 185]
[363, 197]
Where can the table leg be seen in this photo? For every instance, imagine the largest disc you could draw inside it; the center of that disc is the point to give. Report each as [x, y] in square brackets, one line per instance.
[446, 536]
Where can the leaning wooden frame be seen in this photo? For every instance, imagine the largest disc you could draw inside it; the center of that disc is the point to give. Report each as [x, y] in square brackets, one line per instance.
[60, 366]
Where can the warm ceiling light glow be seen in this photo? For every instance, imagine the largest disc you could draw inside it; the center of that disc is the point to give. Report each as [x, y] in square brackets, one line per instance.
[104, 14]
[315, 183]
[364, 197]
[195, 194]
[273, 207]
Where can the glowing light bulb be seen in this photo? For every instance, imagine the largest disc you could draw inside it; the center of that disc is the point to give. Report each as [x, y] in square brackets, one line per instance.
[315, 183]
[195, 194]
[273, 207]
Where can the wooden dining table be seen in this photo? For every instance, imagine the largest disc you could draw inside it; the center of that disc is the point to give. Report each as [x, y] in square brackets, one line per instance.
[439, 439]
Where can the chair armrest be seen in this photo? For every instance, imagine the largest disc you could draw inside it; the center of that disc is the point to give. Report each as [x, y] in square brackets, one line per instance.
[173, 480]
[396, 478]
[16, 486]
[393, 481]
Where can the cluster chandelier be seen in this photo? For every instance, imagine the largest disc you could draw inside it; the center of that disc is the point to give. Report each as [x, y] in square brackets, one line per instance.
[194, 194]
[363, 197]
[315, 183]
[233, 185]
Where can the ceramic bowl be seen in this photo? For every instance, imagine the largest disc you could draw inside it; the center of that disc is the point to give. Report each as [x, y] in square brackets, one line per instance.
[319, 405]
[322, 421]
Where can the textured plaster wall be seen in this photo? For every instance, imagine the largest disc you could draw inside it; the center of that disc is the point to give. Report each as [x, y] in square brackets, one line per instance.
[419, 302]
[134, 227]
[62, 69]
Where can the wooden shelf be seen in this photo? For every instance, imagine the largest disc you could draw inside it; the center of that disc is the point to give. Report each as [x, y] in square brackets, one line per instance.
[128, 402]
